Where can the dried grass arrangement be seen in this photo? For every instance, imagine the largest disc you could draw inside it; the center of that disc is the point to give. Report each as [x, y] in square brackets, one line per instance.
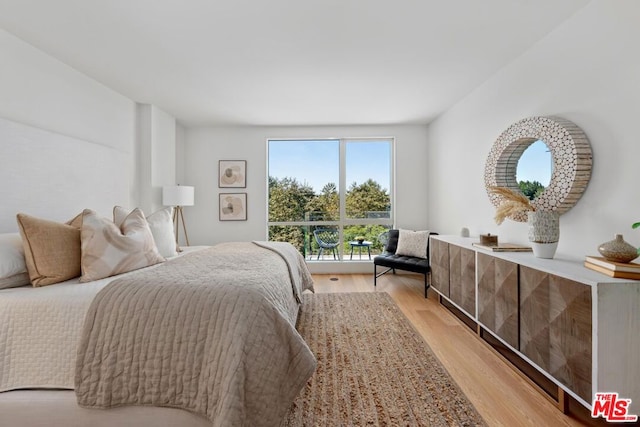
[513, 203]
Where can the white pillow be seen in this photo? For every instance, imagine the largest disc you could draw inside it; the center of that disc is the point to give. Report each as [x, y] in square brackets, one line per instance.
[17, 280]
[108, 250]
[161, 225]
[413, 243]
[13, 268]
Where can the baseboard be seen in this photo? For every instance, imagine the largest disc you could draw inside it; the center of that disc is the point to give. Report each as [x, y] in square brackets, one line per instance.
[459, 313]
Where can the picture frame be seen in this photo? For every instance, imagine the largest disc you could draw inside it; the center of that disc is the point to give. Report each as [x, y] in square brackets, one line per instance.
[232, 173]
[232, 206]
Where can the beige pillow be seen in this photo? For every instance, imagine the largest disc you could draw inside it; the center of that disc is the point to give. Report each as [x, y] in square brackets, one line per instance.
[161, 225]
[51, 249]
[108, 250]
[413, 243]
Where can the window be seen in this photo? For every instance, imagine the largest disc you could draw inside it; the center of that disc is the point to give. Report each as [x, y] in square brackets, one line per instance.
[326, 194]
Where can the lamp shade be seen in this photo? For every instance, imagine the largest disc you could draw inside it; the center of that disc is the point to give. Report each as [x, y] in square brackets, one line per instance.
[177, 195]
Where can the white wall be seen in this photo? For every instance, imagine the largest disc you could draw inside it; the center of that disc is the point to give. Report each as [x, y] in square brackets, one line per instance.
[156, 155]
[588, 71]
[203, 148]
[181, 141]
[40, 91]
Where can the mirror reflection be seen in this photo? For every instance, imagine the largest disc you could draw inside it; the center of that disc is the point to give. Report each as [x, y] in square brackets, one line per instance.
[535, 167]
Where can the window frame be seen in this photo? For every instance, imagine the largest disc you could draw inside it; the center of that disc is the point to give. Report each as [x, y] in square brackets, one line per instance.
[342, 190]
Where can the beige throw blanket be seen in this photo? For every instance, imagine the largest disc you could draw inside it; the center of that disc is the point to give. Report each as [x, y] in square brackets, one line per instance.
[212, 332]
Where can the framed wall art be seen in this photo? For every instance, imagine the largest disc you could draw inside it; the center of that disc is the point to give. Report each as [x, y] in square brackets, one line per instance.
[233, 206]
[232, 173]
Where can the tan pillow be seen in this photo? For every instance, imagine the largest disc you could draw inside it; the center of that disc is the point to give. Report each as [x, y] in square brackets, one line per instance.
[413, 243]
[51, 249]
[161, 225]
[108, 250]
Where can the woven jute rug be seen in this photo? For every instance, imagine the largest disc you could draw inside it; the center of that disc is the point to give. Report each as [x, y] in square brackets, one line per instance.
[374, 369]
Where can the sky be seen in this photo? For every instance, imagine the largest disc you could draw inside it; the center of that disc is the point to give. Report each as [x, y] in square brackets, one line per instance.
[316, 163]
[535, 164]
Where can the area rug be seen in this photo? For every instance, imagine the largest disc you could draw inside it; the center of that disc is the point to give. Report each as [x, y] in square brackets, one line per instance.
[374, 369]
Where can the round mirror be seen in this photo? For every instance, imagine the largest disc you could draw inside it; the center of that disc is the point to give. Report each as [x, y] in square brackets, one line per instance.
[569, 164]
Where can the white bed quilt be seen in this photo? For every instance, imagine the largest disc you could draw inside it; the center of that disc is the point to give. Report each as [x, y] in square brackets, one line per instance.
[39, 351]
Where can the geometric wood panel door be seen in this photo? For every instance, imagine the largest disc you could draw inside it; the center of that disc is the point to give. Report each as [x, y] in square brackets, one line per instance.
[462, 278]
[555, 327]
[440, 266]
[498, 297]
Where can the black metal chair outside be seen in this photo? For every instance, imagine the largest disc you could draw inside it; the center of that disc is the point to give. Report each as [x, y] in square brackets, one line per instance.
[383, 238]
[327, 239]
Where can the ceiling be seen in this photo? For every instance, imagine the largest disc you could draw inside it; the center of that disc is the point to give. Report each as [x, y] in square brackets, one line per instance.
[288, 62]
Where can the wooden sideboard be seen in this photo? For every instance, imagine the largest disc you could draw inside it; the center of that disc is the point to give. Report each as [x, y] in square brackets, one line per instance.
[575, 327]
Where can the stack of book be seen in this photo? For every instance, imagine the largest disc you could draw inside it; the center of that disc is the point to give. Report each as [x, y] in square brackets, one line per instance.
[503, 247]
[628, 270]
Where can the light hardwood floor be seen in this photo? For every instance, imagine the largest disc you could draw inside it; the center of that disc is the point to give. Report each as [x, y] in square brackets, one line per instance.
[498, 392]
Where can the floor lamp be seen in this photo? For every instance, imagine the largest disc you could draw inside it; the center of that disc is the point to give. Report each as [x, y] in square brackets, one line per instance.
[178, 196]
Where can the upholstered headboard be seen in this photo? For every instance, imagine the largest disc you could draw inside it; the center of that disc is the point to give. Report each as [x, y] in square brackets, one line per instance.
[54, 176]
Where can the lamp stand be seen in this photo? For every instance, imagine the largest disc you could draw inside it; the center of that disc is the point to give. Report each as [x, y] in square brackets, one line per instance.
[177, 217]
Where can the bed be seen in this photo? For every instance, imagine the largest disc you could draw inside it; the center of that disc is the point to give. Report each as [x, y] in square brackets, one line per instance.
[205, 338]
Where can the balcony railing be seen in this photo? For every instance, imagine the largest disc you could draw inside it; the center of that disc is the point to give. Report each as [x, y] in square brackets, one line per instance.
[347, 246]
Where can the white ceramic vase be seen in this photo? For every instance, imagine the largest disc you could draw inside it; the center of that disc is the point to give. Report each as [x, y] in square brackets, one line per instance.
[544, 250]
[544, 232]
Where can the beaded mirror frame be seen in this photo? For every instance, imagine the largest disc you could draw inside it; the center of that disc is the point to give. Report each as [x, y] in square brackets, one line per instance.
[570, 151]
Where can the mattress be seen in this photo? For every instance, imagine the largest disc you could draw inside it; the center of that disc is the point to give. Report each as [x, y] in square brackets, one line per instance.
[58, 408]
